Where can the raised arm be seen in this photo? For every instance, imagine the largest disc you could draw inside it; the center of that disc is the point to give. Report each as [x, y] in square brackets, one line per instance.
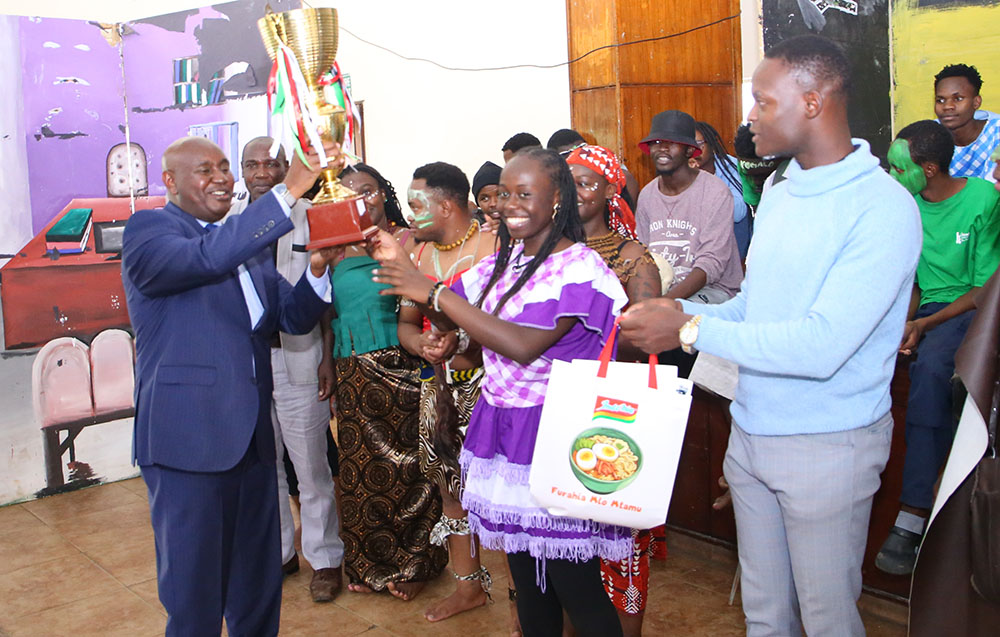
[513, 341]
[160, 258]
[516, 342]
[858, 292]
[160, 255]
[873, 269]
[301, 306]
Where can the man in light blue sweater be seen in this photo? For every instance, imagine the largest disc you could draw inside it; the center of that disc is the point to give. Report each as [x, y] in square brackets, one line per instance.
[814, 330]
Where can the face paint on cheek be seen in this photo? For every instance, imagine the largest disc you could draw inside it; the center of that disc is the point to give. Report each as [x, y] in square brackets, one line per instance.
[423, 218]
[903, 169]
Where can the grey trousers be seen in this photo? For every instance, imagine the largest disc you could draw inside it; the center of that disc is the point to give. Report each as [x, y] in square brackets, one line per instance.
[802, 506]
[300, 424]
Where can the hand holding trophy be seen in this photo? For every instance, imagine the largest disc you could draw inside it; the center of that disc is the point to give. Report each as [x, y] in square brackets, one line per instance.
[310, 104]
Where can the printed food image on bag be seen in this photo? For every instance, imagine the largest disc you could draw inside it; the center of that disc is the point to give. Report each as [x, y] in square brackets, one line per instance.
[605, 459]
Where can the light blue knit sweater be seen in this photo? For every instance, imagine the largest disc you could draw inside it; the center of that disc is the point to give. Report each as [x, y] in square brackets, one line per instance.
[818, 320]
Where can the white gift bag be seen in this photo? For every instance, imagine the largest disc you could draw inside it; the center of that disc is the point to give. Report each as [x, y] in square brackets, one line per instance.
[610, 439]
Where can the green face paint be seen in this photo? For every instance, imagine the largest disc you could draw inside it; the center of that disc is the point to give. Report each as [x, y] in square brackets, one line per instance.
[903, 169]
[420, 204]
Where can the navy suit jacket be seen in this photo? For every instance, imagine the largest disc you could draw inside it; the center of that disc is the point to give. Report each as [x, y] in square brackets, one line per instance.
[198, 398]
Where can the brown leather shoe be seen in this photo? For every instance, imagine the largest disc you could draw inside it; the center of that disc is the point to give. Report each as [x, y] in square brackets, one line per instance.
[325, 584]
[291, 566]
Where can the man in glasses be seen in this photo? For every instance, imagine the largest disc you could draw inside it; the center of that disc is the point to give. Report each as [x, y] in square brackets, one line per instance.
[301, 421]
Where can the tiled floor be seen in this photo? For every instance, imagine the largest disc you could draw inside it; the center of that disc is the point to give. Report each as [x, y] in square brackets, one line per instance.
[82, 564]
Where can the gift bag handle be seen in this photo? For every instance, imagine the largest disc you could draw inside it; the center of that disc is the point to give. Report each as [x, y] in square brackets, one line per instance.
[609, 346]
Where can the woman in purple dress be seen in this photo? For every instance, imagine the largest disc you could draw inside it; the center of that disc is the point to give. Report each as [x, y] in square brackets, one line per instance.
[544, 296]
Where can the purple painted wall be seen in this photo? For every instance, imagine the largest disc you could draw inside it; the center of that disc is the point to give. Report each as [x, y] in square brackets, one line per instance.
[73, 124]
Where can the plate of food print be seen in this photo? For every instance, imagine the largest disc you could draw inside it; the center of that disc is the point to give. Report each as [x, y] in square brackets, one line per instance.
[605, 460]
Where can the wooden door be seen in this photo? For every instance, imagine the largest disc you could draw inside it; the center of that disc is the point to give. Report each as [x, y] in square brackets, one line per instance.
[615, 92]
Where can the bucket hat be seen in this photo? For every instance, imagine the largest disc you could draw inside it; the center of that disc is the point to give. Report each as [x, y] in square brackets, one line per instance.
[671, 126]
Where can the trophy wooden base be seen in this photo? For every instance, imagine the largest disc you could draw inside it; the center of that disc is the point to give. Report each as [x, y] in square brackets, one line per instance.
[339, 223]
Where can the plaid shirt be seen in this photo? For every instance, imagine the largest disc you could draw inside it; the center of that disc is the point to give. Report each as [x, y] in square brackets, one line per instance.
[974, 160]
[509, 384]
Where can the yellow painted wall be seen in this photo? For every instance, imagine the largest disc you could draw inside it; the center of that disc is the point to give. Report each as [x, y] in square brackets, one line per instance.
[928, 38]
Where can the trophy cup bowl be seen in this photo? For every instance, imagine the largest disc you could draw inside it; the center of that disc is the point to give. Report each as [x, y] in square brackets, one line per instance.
[338, 214]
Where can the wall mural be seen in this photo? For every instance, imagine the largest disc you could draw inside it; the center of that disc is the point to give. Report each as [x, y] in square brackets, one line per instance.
[99, 103]
[862, 28]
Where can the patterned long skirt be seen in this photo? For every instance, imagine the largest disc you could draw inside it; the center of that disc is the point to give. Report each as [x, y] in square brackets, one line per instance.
[388, 506]
[441, 465]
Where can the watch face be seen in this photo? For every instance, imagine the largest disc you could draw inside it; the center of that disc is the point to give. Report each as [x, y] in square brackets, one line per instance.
[688, 334]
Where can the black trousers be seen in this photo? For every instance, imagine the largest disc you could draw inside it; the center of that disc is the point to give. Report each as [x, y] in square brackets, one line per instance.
[571, 586]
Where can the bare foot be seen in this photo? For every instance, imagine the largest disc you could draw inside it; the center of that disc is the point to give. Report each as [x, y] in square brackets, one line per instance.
[405, 590]
[467, 595]
[359, 588]
[515, 621]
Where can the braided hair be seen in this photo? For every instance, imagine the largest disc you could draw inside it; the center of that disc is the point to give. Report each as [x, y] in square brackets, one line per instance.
[393, 211]
[714, 141]
[566, 223]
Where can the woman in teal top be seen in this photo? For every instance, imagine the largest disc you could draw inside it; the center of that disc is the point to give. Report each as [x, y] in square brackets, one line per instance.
[387, 505]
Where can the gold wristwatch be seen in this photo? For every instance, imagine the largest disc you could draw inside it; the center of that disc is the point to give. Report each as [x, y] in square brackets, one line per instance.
[689, 333]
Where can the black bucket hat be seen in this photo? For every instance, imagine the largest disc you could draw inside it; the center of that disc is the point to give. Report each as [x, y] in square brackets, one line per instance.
[671, 126]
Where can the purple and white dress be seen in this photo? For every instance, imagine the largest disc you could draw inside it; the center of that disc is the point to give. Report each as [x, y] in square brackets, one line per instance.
[500, 440]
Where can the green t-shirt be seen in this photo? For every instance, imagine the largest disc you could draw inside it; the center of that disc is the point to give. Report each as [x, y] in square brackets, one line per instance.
[961, 242]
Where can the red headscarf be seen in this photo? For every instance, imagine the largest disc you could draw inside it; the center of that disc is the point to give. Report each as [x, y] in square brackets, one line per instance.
[605, 163]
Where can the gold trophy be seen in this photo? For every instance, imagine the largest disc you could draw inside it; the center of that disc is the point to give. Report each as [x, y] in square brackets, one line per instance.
[338, 214]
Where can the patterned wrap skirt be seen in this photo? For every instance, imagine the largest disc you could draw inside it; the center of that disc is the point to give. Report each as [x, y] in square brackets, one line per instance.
[627, 581]
[441, 466]
[388, 505]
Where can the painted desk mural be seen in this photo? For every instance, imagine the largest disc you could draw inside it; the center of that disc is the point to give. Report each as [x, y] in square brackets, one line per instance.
[46, 294]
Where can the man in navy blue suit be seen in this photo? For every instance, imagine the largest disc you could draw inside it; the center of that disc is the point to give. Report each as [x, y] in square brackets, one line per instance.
[204, 300]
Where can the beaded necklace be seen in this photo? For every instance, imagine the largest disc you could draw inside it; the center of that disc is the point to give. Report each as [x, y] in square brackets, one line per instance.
[455, 244]
[449, 277]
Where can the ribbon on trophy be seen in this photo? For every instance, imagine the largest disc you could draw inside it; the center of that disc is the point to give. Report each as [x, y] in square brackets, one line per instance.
[293, 119]
[335, 77]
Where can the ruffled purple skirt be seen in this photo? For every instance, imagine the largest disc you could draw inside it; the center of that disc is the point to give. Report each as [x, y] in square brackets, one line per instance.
[496, 460]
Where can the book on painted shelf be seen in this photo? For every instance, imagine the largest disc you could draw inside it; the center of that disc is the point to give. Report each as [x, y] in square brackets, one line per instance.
[69, 235]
